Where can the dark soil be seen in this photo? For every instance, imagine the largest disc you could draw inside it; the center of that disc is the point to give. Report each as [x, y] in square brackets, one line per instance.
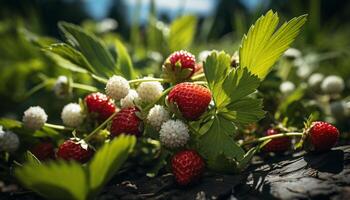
[297, 176]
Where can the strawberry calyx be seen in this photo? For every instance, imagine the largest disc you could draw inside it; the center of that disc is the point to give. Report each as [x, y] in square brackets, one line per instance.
[176, 73]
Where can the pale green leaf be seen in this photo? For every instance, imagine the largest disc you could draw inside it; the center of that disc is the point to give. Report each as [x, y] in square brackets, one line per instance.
[10, 123]
[218, 141]
[182, 32]
[66, 64]
[108, 160]
[124, 63]
[55, 180]
[69, 53]
[238, 84]
[244, 111]
[263, 44]
[216, 68]
[91, 47]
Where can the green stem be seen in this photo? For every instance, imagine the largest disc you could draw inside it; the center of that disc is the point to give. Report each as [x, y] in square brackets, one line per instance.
[147, 80]
[199, 76]
[262, 139]
[87, 138]
[58, 127]
[84, 87]
[201, 82]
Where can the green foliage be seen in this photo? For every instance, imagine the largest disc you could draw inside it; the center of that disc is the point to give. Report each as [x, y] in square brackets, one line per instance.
[108, 160]
[55, 180]
[85, 53]
[181, 33]
[218, 141]
[91, 47]
[263, 44]
[230, 88]
[68, 53]
[124, 62]
[70, 180]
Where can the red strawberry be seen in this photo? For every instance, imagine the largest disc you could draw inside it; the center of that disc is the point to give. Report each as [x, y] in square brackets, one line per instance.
[180, 65]
[323, 136]
[75, 150]
[127, 122]
[43, 151]
[278, 144]
[100, 104]
[187, 166]
[186, 59]
[191, 99]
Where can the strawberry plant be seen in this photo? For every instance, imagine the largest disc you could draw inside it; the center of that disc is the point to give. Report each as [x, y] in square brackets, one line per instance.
[189, 119]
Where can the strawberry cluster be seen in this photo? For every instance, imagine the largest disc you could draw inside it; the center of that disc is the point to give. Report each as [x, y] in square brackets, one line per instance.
[127, 107]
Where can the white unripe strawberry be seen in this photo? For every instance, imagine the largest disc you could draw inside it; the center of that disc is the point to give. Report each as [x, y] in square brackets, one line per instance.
[150, 91]
[130, 99]
[34, 118]
[174, 133]
[157, 116]
[287, 87]
[117, 87]
[9, 141]
[332, 85]
[71, 115]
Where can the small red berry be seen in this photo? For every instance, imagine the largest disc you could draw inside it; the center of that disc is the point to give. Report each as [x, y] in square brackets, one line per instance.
[74, 150]
[187, 166]
[100, 104]
[43, 151]
[276, 145]
[323, 136]
[126, 121]
[186, 59]
[191, 99]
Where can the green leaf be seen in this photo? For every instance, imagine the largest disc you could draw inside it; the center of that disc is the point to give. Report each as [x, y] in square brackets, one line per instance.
[55, 180]
[66, 64]
[91, 47]
[218, 141]
[238, 84]
[69, 180]
[244, 111]
[293, 97]
[70, 54]
[182, 32]
[31, 158]
[108, 160]
[216, 68]
[10, 123]
[227, 85]
[263, 44]
[124, 63]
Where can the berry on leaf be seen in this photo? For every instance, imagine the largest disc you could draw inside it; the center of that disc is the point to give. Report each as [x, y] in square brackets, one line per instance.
[277, 145]
[187, 166]
[99, 104]
[126, 122]
[191, 99]
[76, 150]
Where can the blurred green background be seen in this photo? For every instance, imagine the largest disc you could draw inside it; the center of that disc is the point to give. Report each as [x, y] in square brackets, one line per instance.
[151, 30]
